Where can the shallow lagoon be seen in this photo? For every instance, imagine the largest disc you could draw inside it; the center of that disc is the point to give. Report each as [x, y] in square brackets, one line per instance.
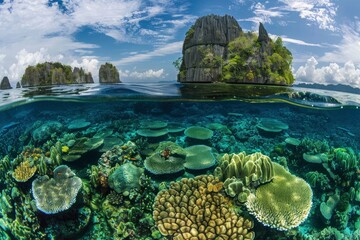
[98, 131]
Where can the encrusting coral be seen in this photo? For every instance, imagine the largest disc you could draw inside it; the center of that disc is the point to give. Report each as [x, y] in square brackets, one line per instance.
[195, 209]
[24, 171]
[283, 203]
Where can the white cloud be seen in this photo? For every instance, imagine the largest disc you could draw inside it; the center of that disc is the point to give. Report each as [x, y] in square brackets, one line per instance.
[348, 74]
[347, 50]
[321, 12]
[25, 58]
[263, 15]
[148, 74]
[101, 13]
[167, 49]
[318, 12]
[89, 65]
[36, 30]
[300, 42]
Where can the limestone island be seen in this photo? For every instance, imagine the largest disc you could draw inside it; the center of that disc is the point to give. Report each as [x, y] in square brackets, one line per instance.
[216, 49]
[5, 84]
[55, 73]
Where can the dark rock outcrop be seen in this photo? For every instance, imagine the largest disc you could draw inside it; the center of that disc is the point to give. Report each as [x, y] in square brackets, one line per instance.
[5, 84]
[49, 73]
[263, 35]
[18, 85]
[205, 46]
[108, 73]
[216, 49]
[81, 77]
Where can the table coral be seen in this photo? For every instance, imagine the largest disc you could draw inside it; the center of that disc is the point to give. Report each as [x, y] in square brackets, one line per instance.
[195, 209]
[283, 203]
[56, 194]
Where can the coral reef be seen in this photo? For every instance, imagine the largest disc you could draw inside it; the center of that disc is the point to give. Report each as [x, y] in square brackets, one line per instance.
[56, 194]
[125, 178]
[199, 157]
[195, 209]
[283, 203]
[24, 171]
[252, 169]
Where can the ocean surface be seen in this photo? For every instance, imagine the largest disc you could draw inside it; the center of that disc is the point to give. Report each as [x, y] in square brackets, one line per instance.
[174, 161]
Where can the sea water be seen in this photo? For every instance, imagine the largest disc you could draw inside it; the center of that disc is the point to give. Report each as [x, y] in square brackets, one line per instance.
[93, 162]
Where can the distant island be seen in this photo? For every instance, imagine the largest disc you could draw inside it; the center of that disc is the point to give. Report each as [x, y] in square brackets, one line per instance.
[332, 87]
[55, 73]
[216, 49]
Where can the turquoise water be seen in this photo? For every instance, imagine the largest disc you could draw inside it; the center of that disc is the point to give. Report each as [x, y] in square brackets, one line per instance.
[97, 162]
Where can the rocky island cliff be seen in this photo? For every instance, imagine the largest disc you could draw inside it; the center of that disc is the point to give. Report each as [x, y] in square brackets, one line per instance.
[50, 73]
[5, 84]
[108, 73]
[216, 49]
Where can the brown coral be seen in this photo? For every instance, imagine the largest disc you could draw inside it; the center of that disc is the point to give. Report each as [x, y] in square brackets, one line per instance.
[195, 209]
[24, 171]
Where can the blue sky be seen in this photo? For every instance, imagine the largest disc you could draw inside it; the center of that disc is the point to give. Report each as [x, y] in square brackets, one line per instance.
[143, 37]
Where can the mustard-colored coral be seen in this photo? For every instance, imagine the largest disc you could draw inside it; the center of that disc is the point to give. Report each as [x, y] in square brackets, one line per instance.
[195, 209]
[24, 171]
[283, 203]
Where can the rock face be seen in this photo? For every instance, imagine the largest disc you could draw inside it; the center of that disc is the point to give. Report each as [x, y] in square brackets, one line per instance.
[81, 77]
[217, 50]
[205, 46]
[49, 73]
[5, 83]
[18, 85]
[108, 73]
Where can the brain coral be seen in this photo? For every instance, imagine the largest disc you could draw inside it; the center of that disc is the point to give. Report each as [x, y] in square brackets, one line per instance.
[56, 194]
[283, 203]
[125, 178]
[252, 169]
[194, 209]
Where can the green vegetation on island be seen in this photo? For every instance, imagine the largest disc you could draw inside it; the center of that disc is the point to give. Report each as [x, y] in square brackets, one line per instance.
[217, 50]
[108, 73]
[54, 73]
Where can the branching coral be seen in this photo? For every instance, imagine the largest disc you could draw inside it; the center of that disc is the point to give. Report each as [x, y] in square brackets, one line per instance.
[24, 171]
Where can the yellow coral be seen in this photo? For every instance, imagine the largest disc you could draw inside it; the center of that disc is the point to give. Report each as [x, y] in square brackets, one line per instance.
[24, 171]
[195, 209]
[64, 149]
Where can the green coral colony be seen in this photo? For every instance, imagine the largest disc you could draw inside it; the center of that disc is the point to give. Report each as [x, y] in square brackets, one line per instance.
[166, 180]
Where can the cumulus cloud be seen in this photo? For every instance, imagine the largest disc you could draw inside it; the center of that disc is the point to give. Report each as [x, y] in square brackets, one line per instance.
[148, 74]
[88, 64]
[25, 58]
[333, 73]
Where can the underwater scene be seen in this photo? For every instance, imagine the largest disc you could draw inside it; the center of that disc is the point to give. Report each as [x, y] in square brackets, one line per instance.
[173, 161]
